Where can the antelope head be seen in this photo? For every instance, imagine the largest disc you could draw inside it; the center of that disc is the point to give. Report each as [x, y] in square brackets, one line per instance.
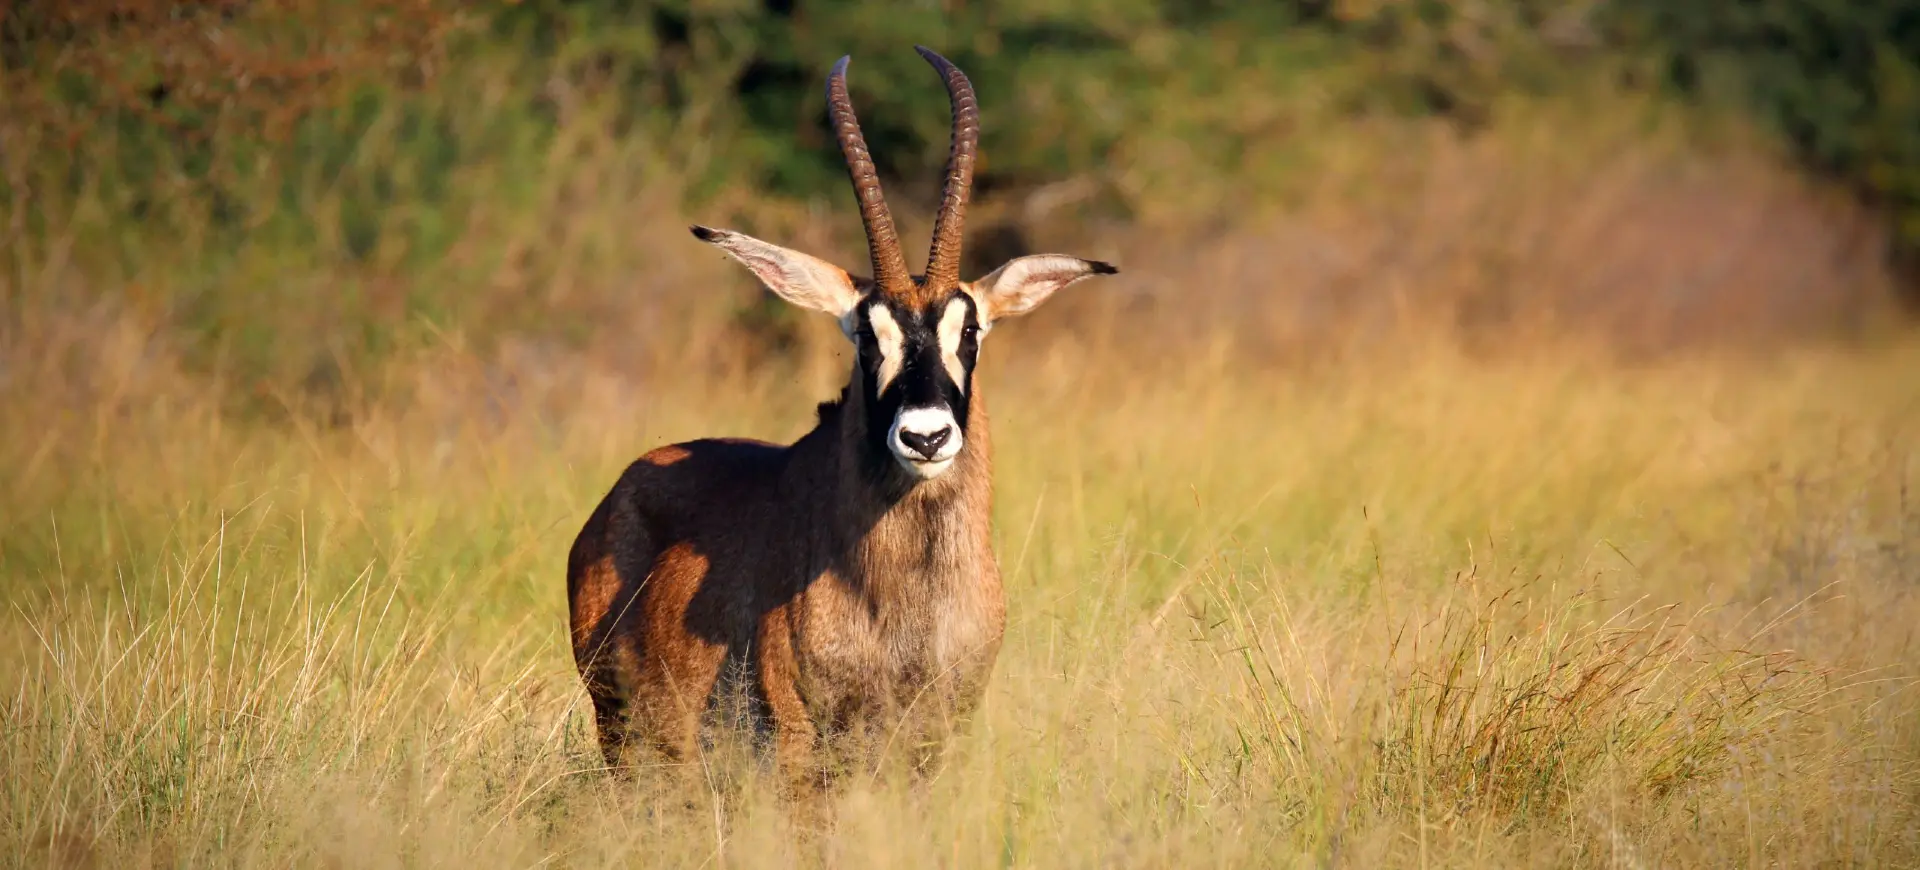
[917, 336]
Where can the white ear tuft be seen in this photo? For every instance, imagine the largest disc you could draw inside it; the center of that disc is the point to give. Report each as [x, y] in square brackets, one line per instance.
[1025, 282]
[801, 279]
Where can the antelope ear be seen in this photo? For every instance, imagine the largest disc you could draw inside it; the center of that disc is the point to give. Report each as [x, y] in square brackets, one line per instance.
[1025, 282]
[803, 280]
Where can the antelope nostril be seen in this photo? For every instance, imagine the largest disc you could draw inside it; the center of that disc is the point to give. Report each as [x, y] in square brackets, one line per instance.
[926, 443]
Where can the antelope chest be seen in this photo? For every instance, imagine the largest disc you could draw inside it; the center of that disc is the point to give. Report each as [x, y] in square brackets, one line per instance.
[853, 648]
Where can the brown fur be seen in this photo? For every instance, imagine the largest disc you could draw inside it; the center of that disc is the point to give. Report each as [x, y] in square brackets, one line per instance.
[845, 601]
[862, 612]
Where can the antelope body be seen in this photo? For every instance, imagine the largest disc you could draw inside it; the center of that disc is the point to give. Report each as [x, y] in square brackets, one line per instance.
[844, 585]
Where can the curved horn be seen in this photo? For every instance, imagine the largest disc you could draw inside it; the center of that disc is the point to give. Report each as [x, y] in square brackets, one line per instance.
[943, 261]
[883, 244]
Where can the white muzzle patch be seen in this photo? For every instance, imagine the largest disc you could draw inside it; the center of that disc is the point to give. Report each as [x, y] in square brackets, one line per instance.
[924, 440]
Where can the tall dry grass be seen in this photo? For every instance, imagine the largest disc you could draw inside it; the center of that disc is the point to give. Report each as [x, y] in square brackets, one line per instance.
[1483, 502]
[1535, 611]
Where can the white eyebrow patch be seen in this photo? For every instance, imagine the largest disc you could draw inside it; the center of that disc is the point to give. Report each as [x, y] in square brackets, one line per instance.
[952, 323]
[886, 332]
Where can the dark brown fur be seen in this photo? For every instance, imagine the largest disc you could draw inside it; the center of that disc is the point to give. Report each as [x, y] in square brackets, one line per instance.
[839, 591]
[859, 610]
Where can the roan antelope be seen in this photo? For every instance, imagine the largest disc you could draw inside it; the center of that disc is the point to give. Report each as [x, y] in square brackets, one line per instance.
[843, 585]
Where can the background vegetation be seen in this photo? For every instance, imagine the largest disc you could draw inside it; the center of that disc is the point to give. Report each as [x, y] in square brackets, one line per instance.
[1496, 451]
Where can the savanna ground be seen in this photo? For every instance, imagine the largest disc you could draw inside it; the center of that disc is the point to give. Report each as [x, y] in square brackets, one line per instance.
[1534, 611]
[1546, 496]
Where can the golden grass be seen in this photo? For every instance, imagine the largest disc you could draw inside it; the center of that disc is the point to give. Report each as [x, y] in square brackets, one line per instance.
[1540, 611]
[1329, 538]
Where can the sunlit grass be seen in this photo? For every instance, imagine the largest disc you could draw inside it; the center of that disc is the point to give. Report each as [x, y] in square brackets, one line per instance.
[1378, 513]
[1533, 612]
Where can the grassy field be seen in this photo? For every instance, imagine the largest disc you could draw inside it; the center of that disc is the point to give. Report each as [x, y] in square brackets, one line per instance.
[1541, 610]
[1537, 492]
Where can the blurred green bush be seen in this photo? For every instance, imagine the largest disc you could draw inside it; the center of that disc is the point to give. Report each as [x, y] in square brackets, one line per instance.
[304, 186]
[1840, 79]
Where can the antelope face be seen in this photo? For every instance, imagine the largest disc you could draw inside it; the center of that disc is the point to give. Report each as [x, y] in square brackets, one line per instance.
[918, 337]
[915, 350]
[915, 364]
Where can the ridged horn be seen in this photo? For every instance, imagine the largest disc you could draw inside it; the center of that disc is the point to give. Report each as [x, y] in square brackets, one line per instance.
[883, 244]
[943, 260]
